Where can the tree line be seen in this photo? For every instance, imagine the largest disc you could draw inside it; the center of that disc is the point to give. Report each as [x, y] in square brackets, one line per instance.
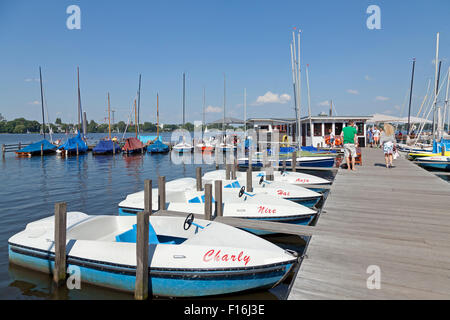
[21, 125]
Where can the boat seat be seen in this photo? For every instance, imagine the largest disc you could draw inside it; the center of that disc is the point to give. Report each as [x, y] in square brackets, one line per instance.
[130, 236]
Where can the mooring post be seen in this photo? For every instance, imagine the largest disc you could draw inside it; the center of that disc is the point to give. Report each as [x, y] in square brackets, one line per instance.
[114, 148]
[228, 171]
[208, 201]
[59, 270]
[294, 161]
[20, 145]
[3, 150]
[264, 158]
[284, 165]
[77, 150]
[233, 169]
[198, 172]
[42, 149]
[162, 193]
[249, 172]
[141, 284]
[218, 198]
[148, 196]
[269, 173]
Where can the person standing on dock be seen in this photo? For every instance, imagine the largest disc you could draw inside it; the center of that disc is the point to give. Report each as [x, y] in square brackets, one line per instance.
[370, 136]
[387, 140]
[376, 136]
[349, 135]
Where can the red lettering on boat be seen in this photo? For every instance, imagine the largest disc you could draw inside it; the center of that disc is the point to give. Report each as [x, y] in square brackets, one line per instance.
[212, 255]
[262, 209]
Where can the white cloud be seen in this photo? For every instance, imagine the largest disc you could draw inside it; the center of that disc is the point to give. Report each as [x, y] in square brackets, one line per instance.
[34, 102]
[31, 80]
[212, 109]
[381, 98]
[324, 103]
[270, 97]
[352, 91]
[368, 78]
[397, 107]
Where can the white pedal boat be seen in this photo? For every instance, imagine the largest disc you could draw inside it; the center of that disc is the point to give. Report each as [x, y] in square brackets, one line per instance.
[282, 190]
[183, 147]
[180, 196]
[296, 178]
[209, 258]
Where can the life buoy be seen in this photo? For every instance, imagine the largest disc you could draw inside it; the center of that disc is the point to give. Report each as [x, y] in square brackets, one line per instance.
[338, 140]
[327, 140]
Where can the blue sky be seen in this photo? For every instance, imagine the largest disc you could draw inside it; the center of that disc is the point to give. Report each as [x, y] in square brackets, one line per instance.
[246, 40]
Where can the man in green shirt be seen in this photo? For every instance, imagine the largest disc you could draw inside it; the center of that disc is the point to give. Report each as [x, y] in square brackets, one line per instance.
[349, 135]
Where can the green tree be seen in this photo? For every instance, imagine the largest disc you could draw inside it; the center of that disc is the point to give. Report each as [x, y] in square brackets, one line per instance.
[20, 128]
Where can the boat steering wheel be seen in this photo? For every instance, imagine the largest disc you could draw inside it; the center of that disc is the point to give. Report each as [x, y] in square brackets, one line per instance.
[188, 222]
[261, 180]
[241, 192]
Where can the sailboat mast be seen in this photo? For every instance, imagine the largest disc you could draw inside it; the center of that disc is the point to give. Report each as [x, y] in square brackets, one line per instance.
[410, 95]
[447, 107]
[309, 100]
[224, 103]
[109, 119]
[42, 102]
[135, 118]
[157, 115]
[204, 106]
[184, 98]
[79, 100]
[436, 83]
[245, 110]
[139, 100]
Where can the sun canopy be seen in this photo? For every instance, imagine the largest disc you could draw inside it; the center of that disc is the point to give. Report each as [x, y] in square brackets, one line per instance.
[378, 117]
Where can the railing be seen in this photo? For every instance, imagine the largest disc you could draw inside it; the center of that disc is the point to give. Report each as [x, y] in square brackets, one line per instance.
[13, 147]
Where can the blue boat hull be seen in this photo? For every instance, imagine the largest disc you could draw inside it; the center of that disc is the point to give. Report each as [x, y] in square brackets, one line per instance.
[436, 166]
[162, 281]
[319, 163]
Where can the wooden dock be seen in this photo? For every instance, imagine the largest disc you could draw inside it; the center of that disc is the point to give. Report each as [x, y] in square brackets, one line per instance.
[395, 221]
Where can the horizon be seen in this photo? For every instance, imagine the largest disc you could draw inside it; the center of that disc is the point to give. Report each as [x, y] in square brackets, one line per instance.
[362, 71]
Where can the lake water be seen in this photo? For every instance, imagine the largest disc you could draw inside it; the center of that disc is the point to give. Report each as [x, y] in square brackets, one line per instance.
[93, 185]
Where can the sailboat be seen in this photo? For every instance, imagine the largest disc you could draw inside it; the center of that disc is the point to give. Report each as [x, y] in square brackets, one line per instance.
[183, 146]
[225, 145]
[204, 145]
[107, 146]
[43, 146]
[157, 146]
[133, 144]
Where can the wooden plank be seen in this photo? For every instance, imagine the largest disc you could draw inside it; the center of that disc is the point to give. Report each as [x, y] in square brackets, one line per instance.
[142, 246]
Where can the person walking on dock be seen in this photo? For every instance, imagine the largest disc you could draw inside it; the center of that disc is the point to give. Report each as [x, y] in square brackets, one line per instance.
[349, 135]
[376, 137]
[387, 140]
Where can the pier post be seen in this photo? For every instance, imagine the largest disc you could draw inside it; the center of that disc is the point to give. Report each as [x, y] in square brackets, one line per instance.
[3, 150]
[141, 284]
[20, 145]
[208, 201]
[233, 169]
[265, 158]
[162, 193]
[284, 165]
[269, 173]
[148, 196]
[198, 172]
[59, 271]
[249, 186]
[218, 198]
[227, 171]
[77, 150]
[114, 148]
[42, 149]
[294, 161]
